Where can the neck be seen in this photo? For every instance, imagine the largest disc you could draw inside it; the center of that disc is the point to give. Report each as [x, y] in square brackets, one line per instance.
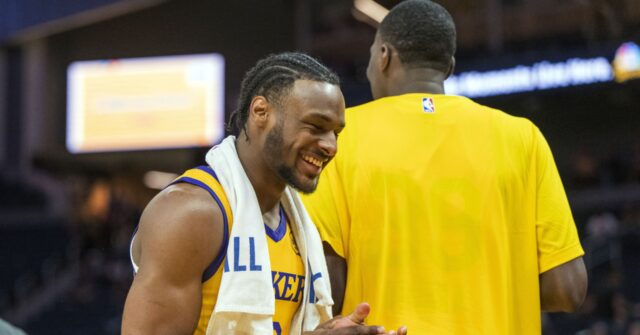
[417, 80]
[266, 183]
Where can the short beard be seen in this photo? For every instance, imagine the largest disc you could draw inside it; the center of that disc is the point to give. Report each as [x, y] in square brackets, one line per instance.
[287, 175]
[274, 148]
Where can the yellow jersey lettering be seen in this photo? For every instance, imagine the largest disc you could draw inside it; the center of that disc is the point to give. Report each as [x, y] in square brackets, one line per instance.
[287, 286]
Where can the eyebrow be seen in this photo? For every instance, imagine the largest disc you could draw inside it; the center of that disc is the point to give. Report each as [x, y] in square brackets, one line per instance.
[324, 117]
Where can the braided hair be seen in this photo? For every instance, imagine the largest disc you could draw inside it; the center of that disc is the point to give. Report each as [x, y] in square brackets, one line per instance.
[273, 77]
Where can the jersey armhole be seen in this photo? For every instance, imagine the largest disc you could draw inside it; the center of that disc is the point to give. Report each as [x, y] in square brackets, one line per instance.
[190, 178]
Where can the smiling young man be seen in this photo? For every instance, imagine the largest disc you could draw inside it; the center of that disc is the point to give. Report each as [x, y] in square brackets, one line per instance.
[228, 248]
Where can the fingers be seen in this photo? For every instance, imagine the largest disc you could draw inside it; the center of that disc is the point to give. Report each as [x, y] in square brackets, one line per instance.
[362, 330]
[359, 330]
[401, 331]
[353, 324]
[360, 313]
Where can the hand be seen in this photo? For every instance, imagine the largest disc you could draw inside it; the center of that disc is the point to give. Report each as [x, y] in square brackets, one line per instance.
[401, 331]
[353, 324]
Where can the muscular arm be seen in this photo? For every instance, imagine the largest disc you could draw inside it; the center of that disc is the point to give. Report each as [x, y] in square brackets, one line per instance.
[563, 288]
[179, 234]
[338, 275]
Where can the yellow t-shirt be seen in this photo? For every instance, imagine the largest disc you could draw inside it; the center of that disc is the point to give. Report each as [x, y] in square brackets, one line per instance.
[287, 269]
[446, 212]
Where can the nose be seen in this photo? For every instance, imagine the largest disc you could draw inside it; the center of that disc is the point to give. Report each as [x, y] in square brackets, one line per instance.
[329, 144]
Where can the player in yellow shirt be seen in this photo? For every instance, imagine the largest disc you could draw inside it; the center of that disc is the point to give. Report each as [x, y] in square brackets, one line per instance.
[287, 269]
[445, 215]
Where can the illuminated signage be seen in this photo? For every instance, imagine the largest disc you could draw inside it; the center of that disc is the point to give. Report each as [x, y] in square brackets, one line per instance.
[546, 75]
[145, 103]
[626, 64]
[539, 76]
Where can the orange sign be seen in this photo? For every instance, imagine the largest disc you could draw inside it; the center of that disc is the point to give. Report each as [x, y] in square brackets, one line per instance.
[145, 103]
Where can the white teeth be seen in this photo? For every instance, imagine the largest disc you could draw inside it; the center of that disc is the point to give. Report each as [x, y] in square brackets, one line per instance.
[313, 161]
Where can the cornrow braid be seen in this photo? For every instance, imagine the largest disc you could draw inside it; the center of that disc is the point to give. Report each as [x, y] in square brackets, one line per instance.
[273, 77]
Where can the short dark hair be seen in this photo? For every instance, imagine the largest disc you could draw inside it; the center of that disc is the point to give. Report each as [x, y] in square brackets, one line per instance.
[273, 77]
[422, 32]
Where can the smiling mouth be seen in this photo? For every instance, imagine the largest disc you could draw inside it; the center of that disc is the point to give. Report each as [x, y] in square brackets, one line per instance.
[314, 161]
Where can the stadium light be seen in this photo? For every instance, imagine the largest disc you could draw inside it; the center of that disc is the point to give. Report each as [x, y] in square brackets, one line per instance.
[370, 9]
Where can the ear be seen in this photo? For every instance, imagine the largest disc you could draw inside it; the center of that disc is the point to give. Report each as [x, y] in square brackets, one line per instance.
[259, 111]
[385, 57]
[452, 66]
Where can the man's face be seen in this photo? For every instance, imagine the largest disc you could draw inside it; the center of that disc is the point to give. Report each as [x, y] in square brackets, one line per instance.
[303, 138]
[373, 69]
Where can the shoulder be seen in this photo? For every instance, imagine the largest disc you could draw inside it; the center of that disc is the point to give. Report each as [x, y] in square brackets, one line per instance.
[181, 202]
[183, 220]
[371, 105]
[503, 121]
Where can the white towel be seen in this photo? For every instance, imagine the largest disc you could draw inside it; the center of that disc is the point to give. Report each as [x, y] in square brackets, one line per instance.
[246, 301]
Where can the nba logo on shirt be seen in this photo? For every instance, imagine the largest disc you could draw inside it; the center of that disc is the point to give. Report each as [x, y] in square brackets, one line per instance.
[428, 106]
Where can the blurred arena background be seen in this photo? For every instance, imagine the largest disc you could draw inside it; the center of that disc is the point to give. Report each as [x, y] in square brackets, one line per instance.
[67, 209]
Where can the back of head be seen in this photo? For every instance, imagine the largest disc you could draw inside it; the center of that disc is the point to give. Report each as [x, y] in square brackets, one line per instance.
[273, 77]
[422, 32]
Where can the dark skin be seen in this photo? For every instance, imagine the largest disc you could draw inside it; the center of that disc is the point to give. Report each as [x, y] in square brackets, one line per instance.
[181, 230]
[562, 288]
[266, 182]
[388, 76]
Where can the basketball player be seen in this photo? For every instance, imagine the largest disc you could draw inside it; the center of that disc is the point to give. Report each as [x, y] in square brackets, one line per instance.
[290, 112]
[446, 215]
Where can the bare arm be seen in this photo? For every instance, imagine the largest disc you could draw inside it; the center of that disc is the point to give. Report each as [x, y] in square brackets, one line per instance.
[338, 275]
[179, 234]
[563, 288]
